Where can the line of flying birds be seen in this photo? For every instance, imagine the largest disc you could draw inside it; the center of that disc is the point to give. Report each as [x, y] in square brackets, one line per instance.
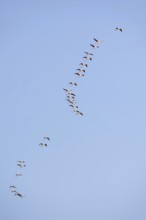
[80, 72]
[70, 98]
[21, 164]
[44, 144]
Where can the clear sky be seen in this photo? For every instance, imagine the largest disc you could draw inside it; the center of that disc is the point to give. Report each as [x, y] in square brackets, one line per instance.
[95, 165]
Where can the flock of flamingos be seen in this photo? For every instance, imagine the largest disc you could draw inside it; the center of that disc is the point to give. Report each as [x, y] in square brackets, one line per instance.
[71, 100]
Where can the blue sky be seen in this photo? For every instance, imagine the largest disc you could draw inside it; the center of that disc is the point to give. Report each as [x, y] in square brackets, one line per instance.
[94, 166]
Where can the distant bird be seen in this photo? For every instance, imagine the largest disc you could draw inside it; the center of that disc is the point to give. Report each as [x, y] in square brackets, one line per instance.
[67, 90]
[80, 70]
[43, 145]
[12, 186]
[47, 138]
[21, 161]
[19, 194]
[118, 29]
[19, 165]
[87, 58]
[94, 46]
[18, 174]
[77, 112]
[82, 64]
[97, 41]
[88, 53]
[81, 113]
[70, 101]
[70, 97]
[72, 94]
[79, 74]
[73, 106]
[73, 83]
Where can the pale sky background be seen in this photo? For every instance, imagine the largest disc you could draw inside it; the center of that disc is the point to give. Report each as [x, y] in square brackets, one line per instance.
[95, 165]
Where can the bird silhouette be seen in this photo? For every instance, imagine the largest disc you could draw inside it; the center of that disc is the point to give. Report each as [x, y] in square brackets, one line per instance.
[70, 101]
[21, 161]
[80, 70]
[83, 64]
[73, 106]
[88, 53]
[73, 83]
[78, 112]
[19, 195]
[19, 165]
[94, 46]
[97, 41]
[118, 29]
[12, 186]
[72, 94]
[18, 174]
[79, 74]
[70, 97]
[87, 58]
[47, 138]
[67, 90]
